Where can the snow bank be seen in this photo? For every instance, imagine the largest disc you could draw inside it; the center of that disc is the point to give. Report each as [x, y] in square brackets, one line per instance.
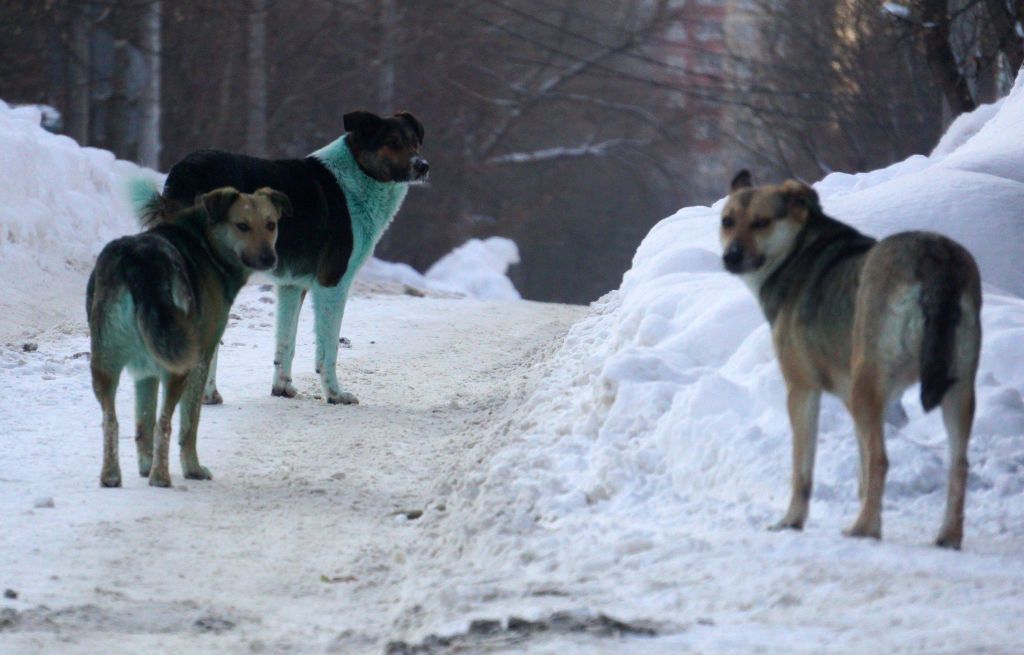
[653, 456]
[479, 268]
[476, 269]
[61, 203]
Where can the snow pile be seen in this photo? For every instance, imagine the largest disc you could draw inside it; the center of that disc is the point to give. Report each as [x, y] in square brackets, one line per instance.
[476, 269]
[654, 455]
[59, 204]
[479, 267]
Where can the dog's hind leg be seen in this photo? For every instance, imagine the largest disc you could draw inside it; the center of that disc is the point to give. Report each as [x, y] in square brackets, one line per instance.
[804, 405]
[289, 304]
[958, 415]
[867, 404]
[104, 385]
[189, 427]
[159, 474]
[146, 392]
[210, 394]
[329, 308]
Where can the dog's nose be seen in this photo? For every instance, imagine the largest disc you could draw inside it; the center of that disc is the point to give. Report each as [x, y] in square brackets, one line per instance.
[733, 258]
[421, 166]
[268, 259]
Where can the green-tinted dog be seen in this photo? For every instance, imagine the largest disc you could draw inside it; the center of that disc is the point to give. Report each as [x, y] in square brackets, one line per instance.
[157, 304]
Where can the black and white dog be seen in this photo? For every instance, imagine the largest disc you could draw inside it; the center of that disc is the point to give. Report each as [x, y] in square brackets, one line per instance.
[344, 195]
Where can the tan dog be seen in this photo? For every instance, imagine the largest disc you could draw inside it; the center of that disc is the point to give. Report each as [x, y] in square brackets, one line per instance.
[863, 320]
[157, 304]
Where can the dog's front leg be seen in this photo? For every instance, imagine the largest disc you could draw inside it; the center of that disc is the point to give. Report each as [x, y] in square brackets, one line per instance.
[289, 304]
[803, 405]
[329, 308]
[189, 426]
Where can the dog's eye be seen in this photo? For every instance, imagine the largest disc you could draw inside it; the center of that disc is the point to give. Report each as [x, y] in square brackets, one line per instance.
[393, 143]
[243, 227]
[760, 223]
[271, 226]
[728, 222]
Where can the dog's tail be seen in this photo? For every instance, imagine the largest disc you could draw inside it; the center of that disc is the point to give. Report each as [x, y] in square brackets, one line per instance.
[147, 203]
[163, 309]
[940, 303]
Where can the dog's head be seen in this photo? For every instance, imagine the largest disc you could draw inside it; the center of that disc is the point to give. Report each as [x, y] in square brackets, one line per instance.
[245, 225]
[387, 149]
[760, 224]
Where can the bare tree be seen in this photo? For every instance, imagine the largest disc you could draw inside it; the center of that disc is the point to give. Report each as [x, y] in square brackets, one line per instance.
[256, 72]
[970, 45]
[149, 133]
[79, 90]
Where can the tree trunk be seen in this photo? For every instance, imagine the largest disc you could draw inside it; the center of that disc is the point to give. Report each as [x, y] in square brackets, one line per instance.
[79, 96]
[386, 57]
[149, 123]
[256, 89]
[941, 60]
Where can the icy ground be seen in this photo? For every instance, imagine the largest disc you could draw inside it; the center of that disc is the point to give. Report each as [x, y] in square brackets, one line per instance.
[293, 547]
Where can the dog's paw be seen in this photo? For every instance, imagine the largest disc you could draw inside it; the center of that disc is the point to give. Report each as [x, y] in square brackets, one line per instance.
[950, 540]
[341, 398]
[284, 391]
[863, 531]
[110, 478]
[786, 524]
[212, 398]
[158, 479]
[145, 465]
[198, 472]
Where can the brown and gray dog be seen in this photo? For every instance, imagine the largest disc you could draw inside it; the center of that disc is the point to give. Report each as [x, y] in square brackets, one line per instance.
[862, 319]
[157, 304]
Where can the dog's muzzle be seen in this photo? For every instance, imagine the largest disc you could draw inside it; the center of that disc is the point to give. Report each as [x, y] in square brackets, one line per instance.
[736, 260]
[733, 258]
[420, 168]
[266, 261]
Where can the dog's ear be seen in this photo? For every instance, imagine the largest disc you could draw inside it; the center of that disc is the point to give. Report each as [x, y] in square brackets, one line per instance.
[801, 200]
[363, 122]
[280, 201]
[416, 126]
[218, 202]
[742, 180]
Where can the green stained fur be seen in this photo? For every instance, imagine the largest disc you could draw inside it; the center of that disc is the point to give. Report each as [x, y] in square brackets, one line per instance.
[371, 204]
[143, 195]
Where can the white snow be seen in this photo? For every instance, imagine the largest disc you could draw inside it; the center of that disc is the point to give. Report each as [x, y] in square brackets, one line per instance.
[476, 269]
[897, 9]
[641, 476]
[59, 204]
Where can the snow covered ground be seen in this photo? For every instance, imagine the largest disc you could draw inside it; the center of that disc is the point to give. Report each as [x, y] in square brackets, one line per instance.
[500, 489]
[292, 546]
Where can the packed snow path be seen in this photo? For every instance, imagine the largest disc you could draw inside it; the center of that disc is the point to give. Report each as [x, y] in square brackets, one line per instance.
[296, 544]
